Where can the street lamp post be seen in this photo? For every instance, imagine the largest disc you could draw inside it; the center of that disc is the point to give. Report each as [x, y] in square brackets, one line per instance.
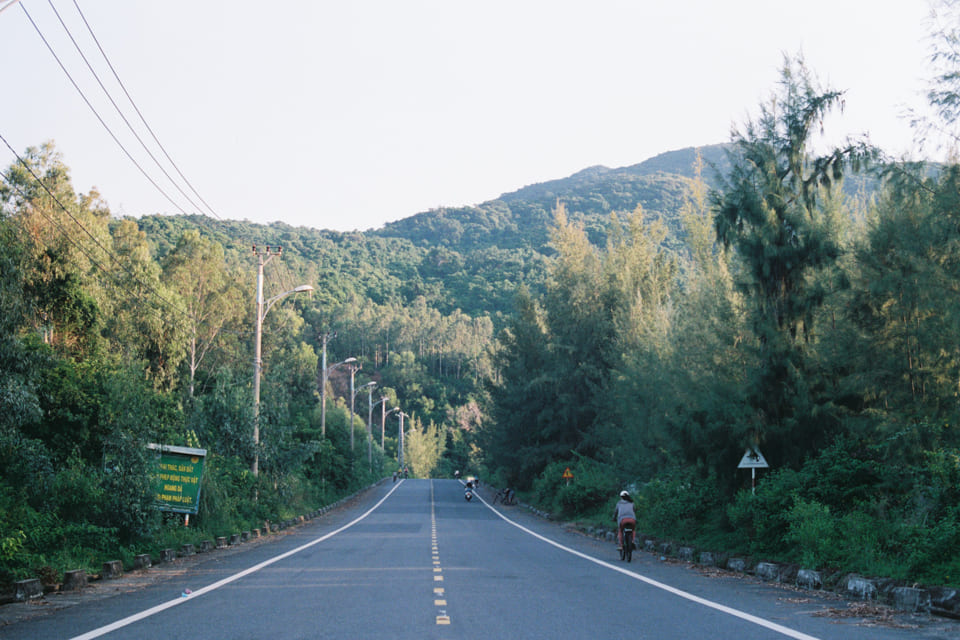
[353, 395]
[385, 421]
[370, 386]
[402, 416]
[262, 309]
[383, 417]
[325, 372]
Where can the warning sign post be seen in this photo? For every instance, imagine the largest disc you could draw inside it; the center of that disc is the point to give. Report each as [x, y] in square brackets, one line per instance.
[752, 459]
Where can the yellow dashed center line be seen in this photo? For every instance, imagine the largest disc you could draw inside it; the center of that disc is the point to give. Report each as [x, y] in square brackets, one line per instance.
[442, 617]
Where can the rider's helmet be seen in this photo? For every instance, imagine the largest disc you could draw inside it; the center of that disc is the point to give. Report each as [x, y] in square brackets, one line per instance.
[624, 495]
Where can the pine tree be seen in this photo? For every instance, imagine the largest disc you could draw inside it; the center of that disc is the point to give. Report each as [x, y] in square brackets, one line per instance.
[771, 211]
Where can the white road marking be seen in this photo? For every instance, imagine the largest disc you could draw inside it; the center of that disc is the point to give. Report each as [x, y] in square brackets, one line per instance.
[146, 613]
[773, 626]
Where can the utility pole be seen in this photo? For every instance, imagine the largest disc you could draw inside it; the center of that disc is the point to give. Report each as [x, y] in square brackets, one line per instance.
[370, 427]
[353, 370]
[262, 309]
[257, 362]
[402, 416]
[383, 421]
[323, 383]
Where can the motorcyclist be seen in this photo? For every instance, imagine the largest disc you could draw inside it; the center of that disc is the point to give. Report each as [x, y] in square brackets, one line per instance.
[624, 514]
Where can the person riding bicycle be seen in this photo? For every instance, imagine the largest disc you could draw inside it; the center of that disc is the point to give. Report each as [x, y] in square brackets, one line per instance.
[624, 514]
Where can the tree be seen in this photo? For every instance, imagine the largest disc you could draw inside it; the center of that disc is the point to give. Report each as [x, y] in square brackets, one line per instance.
[196, 270]
[771, 211]
[66, 242]
[521, 394]
[639, 287]
[423, 447]
[705, 415]
[944, 92]
[146, 322]
[904, 304]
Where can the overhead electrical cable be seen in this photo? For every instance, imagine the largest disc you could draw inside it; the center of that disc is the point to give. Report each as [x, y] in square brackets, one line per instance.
[95, 113]
[142, 119]
[8, 5]
[117, 107]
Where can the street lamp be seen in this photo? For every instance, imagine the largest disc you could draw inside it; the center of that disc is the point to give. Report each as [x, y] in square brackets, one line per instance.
[400, 449]
[325, 372]
[385, 422]
[370, 386]
[353, 395]
[262, 309]
[383, 418]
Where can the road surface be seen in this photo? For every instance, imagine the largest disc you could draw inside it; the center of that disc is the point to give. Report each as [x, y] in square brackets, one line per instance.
[413, 559]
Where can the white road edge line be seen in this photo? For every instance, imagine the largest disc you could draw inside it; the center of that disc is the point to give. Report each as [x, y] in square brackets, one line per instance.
[773, 626]
[146, 613]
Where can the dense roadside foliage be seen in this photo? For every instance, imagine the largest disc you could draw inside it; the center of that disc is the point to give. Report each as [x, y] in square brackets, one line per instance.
[822, 329]
[116, 333]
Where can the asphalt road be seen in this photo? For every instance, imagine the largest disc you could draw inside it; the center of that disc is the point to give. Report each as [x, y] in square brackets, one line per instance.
[415, 560]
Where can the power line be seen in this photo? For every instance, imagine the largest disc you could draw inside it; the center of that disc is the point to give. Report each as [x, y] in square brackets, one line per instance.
[99, 118]
[8, 5]
[135, 108]
[117, 107]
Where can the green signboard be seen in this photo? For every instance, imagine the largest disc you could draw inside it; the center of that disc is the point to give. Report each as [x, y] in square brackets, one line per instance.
[177, 480]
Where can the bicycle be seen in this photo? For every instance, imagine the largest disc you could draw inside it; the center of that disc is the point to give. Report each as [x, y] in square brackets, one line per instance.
[505, 496]
[626, 549]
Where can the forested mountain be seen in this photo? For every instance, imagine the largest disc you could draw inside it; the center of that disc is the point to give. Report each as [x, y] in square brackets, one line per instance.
[522, 219]
[467, 258]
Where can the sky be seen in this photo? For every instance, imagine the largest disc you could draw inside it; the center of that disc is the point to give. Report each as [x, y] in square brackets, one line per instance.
[348, 115]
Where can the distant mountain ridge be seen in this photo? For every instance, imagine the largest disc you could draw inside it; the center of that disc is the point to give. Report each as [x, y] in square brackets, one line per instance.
[522, 218]
[679, 162]
[472, 258]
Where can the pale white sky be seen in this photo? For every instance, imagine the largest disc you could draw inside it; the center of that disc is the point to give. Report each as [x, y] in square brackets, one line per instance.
[346, 115]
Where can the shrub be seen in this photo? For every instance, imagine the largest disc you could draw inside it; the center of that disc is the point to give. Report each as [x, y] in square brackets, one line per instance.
[588, 494]
[761, 519]
[678, 504]
[814, 530]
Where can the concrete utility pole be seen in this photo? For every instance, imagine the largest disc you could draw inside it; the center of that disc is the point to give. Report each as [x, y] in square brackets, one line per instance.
[261, 311]
[353, 370]
[323, 383]
[383, 418]
[402, 416]
[257, 362]
[370, 387]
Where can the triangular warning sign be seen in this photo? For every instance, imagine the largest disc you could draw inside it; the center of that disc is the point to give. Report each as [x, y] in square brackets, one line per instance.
[753, 459]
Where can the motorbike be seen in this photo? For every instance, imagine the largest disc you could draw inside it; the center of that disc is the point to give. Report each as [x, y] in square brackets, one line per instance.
[468, 492]
[626, 548]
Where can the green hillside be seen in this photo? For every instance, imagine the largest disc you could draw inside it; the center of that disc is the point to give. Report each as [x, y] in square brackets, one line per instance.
[521, 219]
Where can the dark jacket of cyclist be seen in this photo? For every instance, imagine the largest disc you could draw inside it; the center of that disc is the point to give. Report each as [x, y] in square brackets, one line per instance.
[624, 514]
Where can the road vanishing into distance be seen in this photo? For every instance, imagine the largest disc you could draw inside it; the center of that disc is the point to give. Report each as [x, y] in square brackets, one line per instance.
[413, 559]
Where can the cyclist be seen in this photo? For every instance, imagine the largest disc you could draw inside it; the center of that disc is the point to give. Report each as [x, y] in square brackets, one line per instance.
[624, 514]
